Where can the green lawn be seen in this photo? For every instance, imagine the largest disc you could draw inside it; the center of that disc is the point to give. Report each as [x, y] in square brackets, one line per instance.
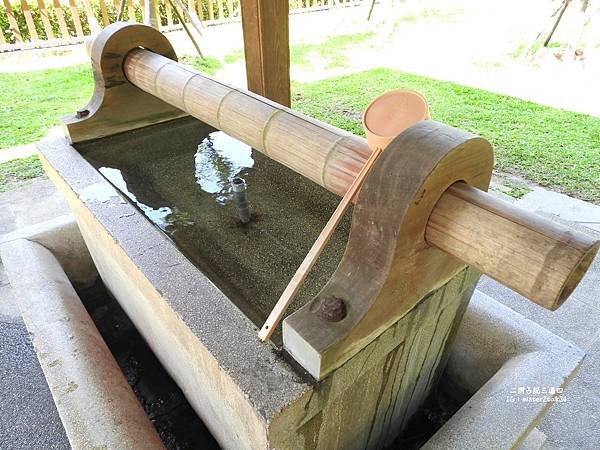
[554, 148]
[18, 171]
[33, 102]
[333, 51]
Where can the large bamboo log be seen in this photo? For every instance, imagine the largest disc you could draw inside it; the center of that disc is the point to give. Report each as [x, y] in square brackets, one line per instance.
[538, 259]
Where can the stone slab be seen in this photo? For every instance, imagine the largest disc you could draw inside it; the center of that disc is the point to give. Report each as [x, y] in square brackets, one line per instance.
[575, 424]
[563, 206]
[34, 203]
[562, 321]
[497, 351]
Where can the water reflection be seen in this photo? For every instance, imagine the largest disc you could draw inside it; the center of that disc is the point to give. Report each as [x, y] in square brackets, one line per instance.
[178, 176]
[219, 159]
[162, 217]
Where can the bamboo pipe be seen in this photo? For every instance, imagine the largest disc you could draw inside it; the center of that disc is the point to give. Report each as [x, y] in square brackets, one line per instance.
[541, 260]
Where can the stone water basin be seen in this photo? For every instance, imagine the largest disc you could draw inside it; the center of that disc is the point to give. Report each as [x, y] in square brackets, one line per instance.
[155, 211]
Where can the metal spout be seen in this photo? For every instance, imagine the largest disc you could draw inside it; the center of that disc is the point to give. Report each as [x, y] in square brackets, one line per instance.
[239, 196]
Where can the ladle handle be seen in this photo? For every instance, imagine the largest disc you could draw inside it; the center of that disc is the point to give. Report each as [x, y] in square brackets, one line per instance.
[315, 251]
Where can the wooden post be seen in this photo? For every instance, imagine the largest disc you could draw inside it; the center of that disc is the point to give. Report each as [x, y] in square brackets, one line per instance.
[211, 12]
[131, 11]
[45, 19]
[150, 16]
[60, 16]
[91, 18]
[33, 36]
[169, 13]
[14, 25]
[104, 12]
[266, 45]
[75, 17]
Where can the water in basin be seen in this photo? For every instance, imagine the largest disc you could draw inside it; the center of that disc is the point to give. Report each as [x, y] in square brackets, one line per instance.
[179, 175]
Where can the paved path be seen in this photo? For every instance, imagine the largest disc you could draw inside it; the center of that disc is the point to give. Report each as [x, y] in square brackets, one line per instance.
[574, 424]
[28, 417]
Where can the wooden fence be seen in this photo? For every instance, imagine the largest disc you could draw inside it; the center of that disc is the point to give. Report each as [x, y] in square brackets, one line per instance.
[41, 23]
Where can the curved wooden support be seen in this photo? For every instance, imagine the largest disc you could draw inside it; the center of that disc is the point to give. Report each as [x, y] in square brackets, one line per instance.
[411, 202]
[116, 104]
[388, 266]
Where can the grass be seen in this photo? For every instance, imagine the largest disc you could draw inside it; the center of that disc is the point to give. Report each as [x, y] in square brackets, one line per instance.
[33, 102]
[516, 190]
[555, 148]
[235, 56]
[208, 65]
[333, 50]
[17, 172]
[437, 15]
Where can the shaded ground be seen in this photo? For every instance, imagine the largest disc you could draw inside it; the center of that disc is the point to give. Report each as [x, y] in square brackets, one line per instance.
[17, 172]
[176, 422]
[28, 417]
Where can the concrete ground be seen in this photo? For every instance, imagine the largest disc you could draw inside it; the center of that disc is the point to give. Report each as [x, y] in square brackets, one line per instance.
[28, 418]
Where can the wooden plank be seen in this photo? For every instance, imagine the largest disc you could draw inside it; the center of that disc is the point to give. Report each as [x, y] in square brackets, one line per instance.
[230, 9]
[157, 14]
[315, 251]
[266, 46]
[75, 17]
[45, 19]
[29, 21]
[131, 11]
[150, 13]
[169, 13]
[211, 11]
[60, 17]
[104, 13]
[193, 19]
[199, 9]
[221, 9]
[91, 17]
[14, 25]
